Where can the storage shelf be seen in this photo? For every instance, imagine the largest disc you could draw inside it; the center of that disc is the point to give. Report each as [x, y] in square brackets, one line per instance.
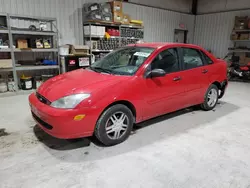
[43, 33]
[5, 50]
[103, 23]
[42, 67]
[102, 50]
[93, 36]
[239, 30]
[240, 40]
[239, 51]
[14, 33]
[112, 37]
[4, 31]
[6, 69]
[16, 16]
[37, 50]
[131, 38]
[133, 26]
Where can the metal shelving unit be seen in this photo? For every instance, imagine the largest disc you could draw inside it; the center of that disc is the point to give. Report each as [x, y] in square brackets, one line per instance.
[4, 31]
[239, 51]
[37, 50]
[235, 42]
[42, 67]
[11, 31]
[38, 33]
[119, 26]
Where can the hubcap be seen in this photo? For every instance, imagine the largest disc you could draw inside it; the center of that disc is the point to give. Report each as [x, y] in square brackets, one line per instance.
[212, 97]
[117, 125]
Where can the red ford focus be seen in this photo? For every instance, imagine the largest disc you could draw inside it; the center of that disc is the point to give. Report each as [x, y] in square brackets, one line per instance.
[130, 85]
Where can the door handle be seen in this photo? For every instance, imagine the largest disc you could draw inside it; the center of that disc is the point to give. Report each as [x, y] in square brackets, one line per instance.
[204, 71]
[178, 78]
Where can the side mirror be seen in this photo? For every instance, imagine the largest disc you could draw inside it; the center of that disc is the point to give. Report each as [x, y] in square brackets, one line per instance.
[156, 73]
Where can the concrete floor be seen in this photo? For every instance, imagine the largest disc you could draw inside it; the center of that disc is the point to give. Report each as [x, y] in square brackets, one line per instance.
[189, 148]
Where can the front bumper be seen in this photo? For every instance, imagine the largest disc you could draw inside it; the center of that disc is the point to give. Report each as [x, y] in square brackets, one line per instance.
[60, 123]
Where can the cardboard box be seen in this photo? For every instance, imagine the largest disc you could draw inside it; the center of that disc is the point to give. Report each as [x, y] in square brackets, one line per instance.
[118, 17]
[79, 49]
[244, 36]
[6, 63]
[22, 44]
[90, 30]
[100, 30]
[234, 36]
[116, 6]
[241, 22]
[247, 60]
[126, 19]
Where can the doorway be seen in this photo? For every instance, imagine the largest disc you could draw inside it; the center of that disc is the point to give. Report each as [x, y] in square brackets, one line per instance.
[180, 36]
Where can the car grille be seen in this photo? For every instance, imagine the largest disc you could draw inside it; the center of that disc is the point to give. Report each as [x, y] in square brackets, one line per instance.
[42, 99]
[41, 122]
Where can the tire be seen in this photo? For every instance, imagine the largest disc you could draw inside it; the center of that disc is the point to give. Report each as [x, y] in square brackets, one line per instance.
[209, 104]
[110, 126]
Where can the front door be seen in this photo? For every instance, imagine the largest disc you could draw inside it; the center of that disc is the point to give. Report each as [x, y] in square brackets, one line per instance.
[164, 94]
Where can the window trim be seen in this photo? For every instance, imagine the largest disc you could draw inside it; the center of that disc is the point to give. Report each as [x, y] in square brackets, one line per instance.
[199, 52]
[204, 59]
[178, 59]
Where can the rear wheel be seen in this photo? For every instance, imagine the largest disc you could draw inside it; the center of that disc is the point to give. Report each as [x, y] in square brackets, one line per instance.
[211, 98]
[115, 125]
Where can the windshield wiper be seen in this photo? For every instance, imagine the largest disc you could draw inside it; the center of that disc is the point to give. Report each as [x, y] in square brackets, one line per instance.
[99, 69]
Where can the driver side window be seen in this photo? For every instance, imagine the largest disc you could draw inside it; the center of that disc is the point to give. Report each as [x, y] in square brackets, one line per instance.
[167, 60]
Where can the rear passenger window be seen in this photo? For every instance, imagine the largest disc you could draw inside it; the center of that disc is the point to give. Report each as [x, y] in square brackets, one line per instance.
[166, 60]
[191, 58]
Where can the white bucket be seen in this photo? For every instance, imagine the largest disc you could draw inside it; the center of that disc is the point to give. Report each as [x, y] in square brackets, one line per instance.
[11, 86]
[3, 87]
[64, 50]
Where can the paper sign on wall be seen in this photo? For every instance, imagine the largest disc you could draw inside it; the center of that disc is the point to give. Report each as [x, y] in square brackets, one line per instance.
[142, 54]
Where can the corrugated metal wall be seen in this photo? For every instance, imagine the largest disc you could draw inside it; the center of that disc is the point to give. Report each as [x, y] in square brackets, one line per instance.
[205, 6]
[177, 5]
[159, 24]
[213, 31]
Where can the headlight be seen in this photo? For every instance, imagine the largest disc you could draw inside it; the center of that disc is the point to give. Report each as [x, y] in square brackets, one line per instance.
[70, 101]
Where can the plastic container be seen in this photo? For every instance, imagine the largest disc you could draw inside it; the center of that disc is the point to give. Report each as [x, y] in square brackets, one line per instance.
[3, 87]
[64, 50]
[11, 85]
[49, 62]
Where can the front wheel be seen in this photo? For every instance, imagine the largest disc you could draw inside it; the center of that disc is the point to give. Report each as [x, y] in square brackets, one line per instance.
[115, 125]
[211, 98]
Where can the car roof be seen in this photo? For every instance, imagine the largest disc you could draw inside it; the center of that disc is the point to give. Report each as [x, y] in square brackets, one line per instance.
[164, 44]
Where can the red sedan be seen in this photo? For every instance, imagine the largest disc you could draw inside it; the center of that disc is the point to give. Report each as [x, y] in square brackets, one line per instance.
[130, 85]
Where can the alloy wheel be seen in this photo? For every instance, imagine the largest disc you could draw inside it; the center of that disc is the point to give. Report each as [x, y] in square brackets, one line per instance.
[212, 97]
[117, 125]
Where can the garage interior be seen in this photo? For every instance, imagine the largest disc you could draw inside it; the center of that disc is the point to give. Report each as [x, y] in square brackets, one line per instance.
[187, 148]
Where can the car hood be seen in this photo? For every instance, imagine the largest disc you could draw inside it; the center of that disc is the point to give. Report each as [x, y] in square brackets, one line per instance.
[78, 81]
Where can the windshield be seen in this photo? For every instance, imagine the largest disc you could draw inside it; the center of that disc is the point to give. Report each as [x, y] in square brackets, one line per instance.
[124, 61]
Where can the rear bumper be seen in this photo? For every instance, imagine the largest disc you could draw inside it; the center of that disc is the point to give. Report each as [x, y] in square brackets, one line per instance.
[60, 123]
[223, 88]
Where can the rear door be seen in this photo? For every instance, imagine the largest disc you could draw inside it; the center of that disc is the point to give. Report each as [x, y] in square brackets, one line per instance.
[195, 75]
